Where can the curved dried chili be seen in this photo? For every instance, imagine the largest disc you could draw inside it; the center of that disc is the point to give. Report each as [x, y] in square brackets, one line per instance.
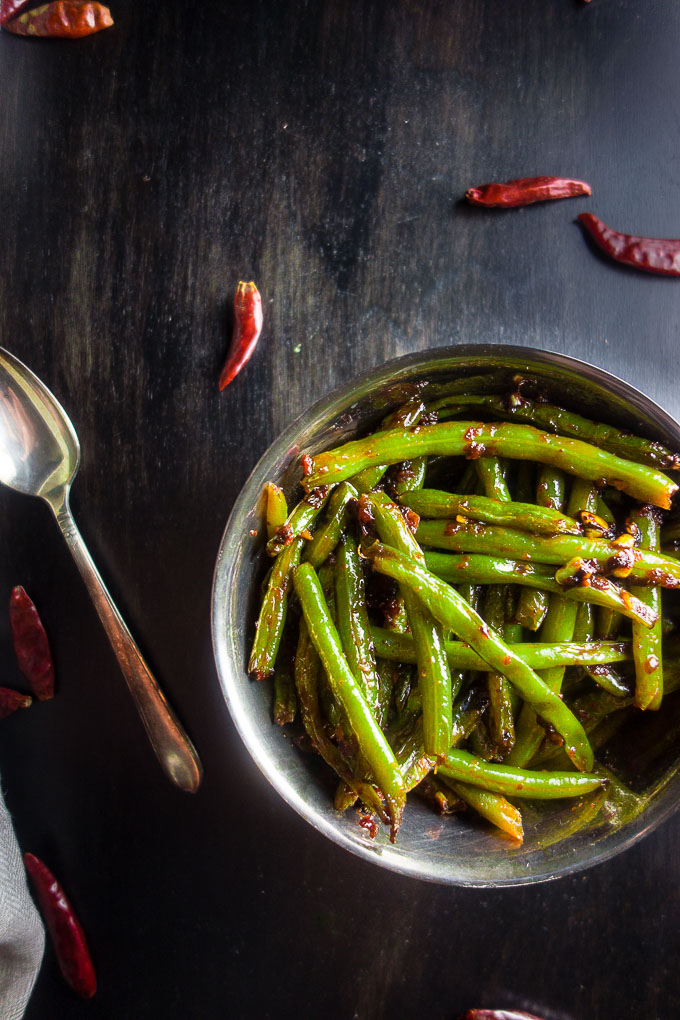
[247, 329]
[651, 254]
[31, 646]
[525, 191]
[64, 927]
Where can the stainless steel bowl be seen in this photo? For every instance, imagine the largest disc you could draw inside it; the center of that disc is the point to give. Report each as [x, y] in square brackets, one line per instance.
[451, 850]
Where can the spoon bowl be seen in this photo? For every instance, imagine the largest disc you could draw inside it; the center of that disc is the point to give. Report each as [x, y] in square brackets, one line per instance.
[39, 456]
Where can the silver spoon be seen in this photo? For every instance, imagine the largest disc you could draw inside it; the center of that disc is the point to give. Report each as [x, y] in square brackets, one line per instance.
[39, 456]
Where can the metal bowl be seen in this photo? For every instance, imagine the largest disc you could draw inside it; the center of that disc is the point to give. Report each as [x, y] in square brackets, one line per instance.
[451, 850]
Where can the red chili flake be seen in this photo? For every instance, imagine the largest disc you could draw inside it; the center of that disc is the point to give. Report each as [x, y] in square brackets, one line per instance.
[367, 822]
[651, 254]
[63, 19]
[307, 464]
[11, 700]
[525, 191]
[247, 329]
[253, 532]
[68, 937]
[31, 646]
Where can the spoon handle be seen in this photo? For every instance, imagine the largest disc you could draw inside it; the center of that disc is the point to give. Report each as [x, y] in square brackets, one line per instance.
[173, 747]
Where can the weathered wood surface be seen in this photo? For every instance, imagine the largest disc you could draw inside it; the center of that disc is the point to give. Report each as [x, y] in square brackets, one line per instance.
[323, 150]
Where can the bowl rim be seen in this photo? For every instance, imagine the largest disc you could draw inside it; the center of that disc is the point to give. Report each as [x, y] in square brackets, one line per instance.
[391, 371]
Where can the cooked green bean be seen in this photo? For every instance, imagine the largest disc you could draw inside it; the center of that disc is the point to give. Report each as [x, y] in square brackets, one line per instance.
[352, 621]
[513, 782]
[445, 603]
[400, 648]
[328, 534]
[299, 519]
[557, 627]
[433, 669]
[492, 806]
[481, 569]
[369, 736]
[411, 476]
[433, 503]
[269, 627]
[307, 671]
[463, 536]
[276, 508]
[566, 423]
[647, 640]
[491, 475]
[532, 607]
[475, 439]
[500, 722]
[405, 416]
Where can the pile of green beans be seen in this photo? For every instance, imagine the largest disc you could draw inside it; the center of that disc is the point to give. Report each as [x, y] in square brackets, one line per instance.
[457, 641]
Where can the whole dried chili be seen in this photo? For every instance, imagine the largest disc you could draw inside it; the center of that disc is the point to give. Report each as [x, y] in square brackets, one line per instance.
[31, 646]
[64, 927]
[247, 329]
[11, 700]
[64, 19]
[525, 191]
[651, 254]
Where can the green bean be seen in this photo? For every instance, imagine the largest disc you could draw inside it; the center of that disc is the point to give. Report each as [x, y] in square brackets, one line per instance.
[491, 475]
[558, 419]
[307, 674]
[461, 536]
[369, 736]
[432, 503]
[299, 519]
[501, 723]
[609, 680]
[512, 782]
[492, 806]
[411, 476]
[276, 508]
[558, 626]
[352, 621]
[487, 570]
[445, 603]
[647, 653]
[473, 439]
[405, 416]
[400, 648]
[532, 607]
[272, 617]
[328, 534]
[410, 753]
[433, 669]
[583, 496]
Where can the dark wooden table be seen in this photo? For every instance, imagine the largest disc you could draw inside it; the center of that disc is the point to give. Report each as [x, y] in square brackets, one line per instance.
[321, 149]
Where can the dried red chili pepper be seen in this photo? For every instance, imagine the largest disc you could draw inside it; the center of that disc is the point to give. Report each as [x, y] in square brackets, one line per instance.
[11, 700]
[65, 19]
[247, 329]
[652, 254]
[31, 646]
[68, 937]
[526, 190]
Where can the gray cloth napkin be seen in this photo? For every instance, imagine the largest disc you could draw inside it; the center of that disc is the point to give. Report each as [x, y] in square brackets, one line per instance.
[22, 937]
